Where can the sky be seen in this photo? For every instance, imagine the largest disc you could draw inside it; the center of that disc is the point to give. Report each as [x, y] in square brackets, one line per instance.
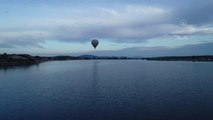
[123, 27]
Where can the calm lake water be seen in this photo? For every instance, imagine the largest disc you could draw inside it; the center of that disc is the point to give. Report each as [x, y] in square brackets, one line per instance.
[107, 90]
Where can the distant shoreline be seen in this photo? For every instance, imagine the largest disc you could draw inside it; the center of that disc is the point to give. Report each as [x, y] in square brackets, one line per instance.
[204, 58]
[7, 60]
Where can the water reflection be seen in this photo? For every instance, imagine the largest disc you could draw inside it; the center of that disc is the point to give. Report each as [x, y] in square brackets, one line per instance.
[5, 69]
[94, 91]
[18, 67]
[107, 90]
[95, 76]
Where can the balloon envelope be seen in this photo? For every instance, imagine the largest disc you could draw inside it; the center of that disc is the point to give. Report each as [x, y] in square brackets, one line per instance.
[94, 43]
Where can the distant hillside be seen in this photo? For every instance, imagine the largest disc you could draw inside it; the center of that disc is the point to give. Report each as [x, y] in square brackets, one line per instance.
[182, 58]
[19, 59]
[87, 57]
[25, 59]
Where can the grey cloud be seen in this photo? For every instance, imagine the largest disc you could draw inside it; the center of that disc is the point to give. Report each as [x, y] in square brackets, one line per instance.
[123, 33]
[195, 12]
[17, 43]
[195, 49]
[131, 23]
[6, 45]
[124, 27]
[21, 41]
[14, 39]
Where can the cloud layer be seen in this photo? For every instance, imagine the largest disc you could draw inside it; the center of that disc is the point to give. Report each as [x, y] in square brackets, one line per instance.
[124, 24]
[187, 50]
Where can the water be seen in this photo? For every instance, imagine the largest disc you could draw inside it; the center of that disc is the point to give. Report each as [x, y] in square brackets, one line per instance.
[107, 90]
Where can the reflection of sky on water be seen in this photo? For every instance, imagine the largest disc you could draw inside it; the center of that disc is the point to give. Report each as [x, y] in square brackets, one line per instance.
[94, 107]
[107, 90]
[95, 73]
[95, 77]
[7, 69]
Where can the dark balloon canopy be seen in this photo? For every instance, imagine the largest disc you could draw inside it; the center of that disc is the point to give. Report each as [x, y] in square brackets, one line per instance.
[94, 43]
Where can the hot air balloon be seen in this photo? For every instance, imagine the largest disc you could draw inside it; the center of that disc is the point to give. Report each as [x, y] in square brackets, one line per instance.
[94, 43]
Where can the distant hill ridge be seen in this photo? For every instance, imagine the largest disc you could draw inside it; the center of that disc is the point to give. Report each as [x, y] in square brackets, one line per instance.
[25, 59]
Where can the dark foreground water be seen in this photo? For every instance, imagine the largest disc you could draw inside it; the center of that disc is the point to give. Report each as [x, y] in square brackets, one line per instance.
[107, 90]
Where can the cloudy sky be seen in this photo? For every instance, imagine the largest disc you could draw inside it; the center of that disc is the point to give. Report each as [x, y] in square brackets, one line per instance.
[123, 27]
